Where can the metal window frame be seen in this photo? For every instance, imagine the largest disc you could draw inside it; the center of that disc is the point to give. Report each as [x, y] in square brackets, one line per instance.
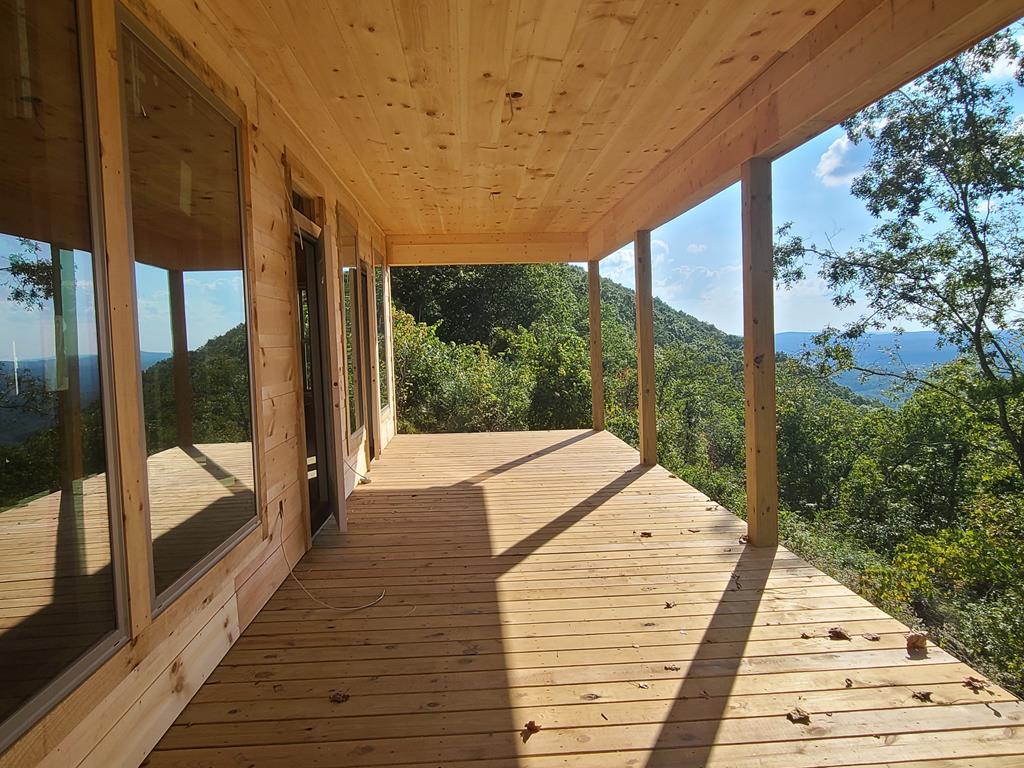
[129, 23]
[44, 700]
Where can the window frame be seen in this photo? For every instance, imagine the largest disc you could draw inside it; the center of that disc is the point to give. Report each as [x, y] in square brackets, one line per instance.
[128, 22]
[50, 695]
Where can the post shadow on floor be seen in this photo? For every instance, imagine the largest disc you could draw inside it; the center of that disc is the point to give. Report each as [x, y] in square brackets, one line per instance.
[689, 730]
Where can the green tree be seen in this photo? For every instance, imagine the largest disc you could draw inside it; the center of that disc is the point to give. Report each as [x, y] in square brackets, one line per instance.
[946, 181]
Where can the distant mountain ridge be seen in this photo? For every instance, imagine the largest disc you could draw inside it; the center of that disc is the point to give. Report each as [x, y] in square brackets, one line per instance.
[917, 351]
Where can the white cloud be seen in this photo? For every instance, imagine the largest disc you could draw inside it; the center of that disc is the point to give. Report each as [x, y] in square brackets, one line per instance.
[696, 247]
[832, 170]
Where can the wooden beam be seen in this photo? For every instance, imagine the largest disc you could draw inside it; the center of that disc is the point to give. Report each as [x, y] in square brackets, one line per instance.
[645, 348]
[596, 350]
[528, 248]
[861, 51]
[759, 354]
[121, 315]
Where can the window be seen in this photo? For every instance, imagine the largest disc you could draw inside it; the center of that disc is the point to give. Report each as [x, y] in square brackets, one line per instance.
[193, 334]
[350, 305]
[382, 344]
[59, 568]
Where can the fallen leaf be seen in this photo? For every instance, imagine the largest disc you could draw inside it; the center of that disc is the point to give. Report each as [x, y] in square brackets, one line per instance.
[693, 530]
[798, 715]
[649, 624]
[339, 698]
[645, 686]
[917, 643]
[669, 604]
[671, 668]
[528, 730]
[976, 684]
[645, 534]
[849, 683]
[806, 635]
[923, 695]
[838, 633]
[604, 715]
[872, 637]
[590, 696]
[744, 539]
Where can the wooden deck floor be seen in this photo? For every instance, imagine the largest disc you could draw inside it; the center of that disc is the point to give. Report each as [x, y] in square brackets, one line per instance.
[521, 584]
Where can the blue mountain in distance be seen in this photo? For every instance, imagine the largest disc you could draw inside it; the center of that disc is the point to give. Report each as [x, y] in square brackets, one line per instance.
[918, 350]
[16, 425]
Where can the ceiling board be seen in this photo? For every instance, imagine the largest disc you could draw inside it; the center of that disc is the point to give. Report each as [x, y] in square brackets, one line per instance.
[505, 115]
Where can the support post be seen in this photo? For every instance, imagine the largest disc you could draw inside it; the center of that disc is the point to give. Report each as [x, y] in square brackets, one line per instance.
[179, 356]
[596, 350]
[645, 348]
[759, 353]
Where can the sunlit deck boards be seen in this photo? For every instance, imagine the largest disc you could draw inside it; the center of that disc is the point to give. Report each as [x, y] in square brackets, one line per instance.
[520, 586]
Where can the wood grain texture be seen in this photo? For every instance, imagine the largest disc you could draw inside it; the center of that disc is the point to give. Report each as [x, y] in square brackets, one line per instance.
[759, 353]
[857, 52]
[438, 250]
[519, 586]
[646, 395]
[596, 349]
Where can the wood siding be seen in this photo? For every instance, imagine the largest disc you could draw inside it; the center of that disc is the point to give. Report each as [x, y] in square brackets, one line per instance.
[119, 712]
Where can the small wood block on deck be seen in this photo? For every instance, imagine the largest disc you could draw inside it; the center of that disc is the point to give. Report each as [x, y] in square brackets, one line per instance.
[548, 577]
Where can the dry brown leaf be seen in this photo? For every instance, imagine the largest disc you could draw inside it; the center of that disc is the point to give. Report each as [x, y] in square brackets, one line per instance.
[917, 643]
[849, 683]
[923, 695]
[669, 604]
[339, 698]
[797, 715]
[528, 730]
[671, 668]
[838, 633]
[871, 636]
[645, 534]
[693, 530]
[806, 635]
[976, 684]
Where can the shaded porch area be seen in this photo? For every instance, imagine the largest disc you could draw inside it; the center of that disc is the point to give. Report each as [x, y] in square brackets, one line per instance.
[550, 577]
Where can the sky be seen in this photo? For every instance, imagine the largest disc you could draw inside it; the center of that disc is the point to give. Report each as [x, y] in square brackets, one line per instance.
[696, 257]
[214, 303]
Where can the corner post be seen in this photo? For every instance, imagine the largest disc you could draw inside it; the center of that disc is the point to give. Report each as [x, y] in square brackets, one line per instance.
[759, 353]
[645, 348]
[596, 350]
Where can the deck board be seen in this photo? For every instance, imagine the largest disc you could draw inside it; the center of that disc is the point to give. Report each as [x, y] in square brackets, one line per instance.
[518, 586]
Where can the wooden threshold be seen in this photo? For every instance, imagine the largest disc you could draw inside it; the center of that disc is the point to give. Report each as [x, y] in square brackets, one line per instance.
[549, 577]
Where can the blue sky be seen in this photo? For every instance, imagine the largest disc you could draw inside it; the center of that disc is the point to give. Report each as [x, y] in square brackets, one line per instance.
[696, 257]
[213, 304]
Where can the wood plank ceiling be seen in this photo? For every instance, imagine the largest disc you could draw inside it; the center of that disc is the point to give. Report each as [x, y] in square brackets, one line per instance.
[470, 116]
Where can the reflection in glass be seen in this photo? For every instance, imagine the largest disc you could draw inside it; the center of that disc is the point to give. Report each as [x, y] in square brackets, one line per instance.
[382, 351]
[349, 278]
[57, 594]
[186, 221]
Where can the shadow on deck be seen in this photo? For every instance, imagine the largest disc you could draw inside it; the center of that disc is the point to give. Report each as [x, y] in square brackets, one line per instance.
[548, 577]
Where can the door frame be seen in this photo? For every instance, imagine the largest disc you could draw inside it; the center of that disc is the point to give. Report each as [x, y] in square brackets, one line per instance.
[298, 181]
